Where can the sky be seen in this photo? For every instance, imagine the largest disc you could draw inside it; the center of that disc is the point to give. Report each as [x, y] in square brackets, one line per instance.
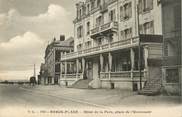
[26, 27]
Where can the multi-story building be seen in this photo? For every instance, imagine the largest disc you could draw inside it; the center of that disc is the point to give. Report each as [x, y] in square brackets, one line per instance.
[42, 74]
[171, 10]
[108, 37]
[52, 58]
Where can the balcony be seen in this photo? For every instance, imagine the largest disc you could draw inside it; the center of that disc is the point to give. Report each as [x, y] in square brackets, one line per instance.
[111, 26]
[118, 45]
[122, 44]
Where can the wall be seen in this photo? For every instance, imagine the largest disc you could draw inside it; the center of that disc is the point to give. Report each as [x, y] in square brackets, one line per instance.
[120, 85]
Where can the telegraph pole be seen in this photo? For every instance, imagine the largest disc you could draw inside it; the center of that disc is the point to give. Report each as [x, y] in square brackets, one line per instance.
[34, 71]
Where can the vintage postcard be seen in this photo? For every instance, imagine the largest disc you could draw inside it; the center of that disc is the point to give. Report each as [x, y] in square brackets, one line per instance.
[71, 58]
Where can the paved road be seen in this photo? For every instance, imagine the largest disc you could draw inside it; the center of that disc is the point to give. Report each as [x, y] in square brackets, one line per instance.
[55, 96]
[13, 98]
[12, 95]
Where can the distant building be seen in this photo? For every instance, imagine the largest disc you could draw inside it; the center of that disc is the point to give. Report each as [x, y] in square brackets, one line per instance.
[42, 74]
[51, 69]
[107, 44]
[172, 49]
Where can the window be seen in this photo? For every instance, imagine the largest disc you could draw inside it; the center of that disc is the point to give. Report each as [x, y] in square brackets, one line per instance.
[99, 41]
[121, 12]
[98, 3]
[92, 4]
[80, 31]
[88, 44]
[57, 68]
[147, 28]
[126, 34]
[166, 49]
[122, 35]
[112, 15]
[172, 76]
[140, 7]
[88, 8]
[88, 28]
[79, 47]
[177, 17]
[148, 5]
[99, 21]
[126, 11]
[57, 56]
[80, 12]
[145, 5]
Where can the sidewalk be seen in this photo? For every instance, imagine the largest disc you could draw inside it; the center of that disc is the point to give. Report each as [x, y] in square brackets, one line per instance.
[108, 97]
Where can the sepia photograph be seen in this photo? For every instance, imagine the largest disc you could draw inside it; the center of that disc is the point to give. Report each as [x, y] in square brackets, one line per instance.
[85, 58]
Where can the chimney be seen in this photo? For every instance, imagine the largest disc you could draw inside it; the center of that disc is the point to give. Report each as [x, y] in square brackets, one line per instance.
[62, 37]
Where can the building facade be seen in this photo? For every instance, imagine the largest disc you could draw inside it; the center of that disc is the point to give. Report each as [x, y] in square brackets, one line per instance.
[117, 44]
[171, 10]
[51, 68]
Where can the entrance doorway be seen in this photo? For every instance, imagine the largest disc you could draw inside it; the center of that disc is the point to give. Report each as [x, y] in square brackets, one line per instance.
[89, 70]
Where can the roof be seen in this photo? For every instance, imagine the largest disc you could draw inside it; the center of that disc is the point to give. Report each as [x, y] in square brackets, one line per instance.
[57, 43]
[67, 42]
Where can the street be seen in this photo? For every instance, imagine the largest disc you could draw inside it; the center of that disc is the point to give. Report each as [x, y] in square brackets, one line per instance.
[25, 99]
[46, 96]
[18, 96]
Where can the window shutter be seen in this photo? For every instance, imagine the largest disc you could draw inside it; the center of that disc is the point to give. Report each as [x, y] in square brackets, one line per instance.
[150, 4]
[122, 35]
[140, 6]
[110, 16]
[82, 32]
[114, 15]
[152, 27]
[141, 29]
[121, 13]
[130, 10]
[130, 32]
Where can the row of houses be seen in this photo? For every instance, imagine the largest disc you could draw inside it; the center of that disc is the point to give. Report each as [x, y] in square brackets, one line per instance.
[120, 44]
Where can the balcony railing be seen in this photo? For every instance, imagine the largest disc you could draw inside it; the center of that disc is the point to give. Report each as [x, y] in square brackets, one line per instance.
[122, 44]
[122, 75]
[71, 76]
[118, 45]
[113, 26]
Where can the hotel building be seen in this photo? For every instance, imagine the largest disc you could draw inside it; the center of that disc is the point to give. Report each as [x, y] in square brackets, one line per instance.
[117, 44]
